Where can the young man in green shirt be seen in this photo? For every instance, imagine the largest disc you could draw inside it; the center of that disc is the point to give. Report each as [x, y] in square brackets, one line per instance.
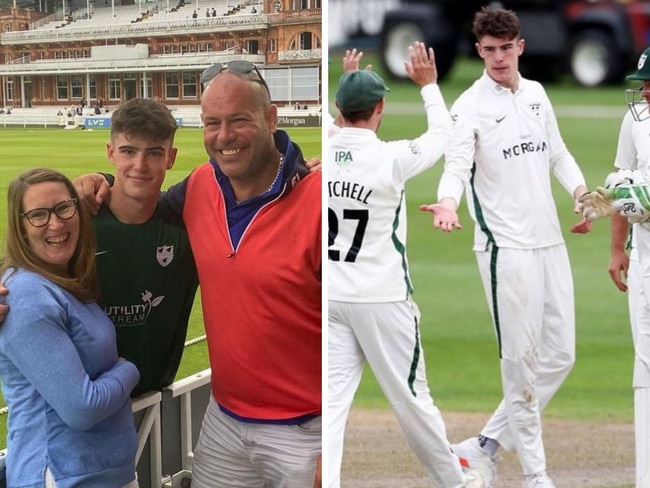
[144, 261]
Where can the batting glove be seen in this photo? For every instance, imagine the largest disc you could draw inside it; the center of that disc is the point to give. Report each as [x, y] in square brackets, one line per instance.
[622, 177]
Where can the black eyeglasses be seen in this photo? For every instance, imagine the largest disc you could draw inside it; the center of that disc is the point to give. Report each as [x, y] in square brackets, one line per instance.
[40, 217]
[239, 67]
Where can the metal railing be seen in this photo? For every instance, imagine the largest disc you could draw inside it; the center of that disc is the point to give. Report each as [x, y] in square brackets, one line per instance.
[168, 427]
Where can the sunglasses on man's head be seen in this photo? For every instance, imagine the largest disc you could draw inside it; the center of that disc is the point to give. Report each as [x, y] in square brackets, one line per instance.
[239, 67]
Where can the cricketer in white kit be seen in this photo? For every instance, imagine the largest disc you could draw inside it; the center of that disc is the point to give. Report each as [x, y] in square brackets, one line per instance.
[506, 144]
[371, 314]
[633, 274]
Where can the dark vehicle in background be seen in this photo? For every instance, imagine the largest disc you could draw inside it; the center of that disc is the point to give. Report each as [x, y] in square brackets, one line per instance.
[596, 41]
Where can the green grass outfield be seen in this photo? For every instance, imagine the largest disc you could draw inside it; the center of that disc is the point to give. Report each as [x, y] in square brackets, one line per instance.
[76, 152]
[458, 340]
[459, 343]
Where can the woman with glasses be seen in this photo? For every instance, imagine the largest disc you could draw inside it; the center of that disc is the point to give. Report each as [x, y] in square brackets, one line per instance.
[70, 421]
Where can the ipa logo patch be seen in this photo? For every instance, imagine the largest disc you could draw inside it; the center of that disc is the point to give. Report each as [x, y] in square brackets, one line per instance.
[343, 158]
[165, 255]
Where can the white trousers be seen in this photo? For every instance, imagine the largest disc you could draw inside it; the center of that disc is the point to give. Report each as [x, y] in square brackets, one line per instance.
[387, 335]
[530, 296]
[638, 284]
[234, 454]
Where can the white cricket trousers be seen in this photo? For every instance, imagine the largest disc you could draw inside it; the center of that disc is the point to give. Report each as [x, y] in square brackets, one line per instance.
[387, 335]
[530, 296]
[638, 289]
[234, 454]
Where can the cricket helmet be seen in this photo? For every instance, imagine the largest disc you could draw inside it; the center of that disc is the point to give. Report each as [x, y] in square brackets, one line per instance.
[636, 98]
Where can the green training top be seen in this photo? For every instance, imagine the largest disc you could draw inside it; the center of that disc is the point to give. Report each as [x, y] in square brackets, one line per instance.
[148, 282]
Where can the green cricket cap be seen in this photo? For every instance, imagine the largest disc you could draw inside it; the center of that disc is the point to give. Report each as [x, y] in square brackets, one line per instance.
[360, 90]
[642, 68]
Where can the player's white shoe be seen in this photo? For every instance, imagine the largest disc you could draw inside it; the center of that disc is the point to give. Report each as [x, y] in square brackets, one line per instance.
[473, 479]
[473, 458]
[539, 480]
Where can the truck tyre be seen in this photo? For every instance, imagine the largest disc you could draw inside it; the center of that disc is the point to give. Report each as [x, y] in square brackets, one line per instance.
[540, 68]
[402, 28]
[594, 60]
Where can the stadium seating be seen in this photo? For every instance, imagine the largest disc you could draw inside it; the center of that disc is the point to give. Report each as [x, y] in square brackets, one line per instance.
[160, 11]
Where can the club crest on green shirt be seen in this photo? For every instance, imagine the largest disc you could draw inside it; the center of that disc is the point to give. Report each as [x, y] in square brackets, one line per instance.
[165, 255]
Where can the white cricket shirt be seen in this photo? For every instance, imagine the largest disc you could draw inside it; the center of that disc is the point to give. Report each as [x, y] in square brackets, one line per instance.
[367, 260]
[504, 148]
[633, 150]
[633, 153]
